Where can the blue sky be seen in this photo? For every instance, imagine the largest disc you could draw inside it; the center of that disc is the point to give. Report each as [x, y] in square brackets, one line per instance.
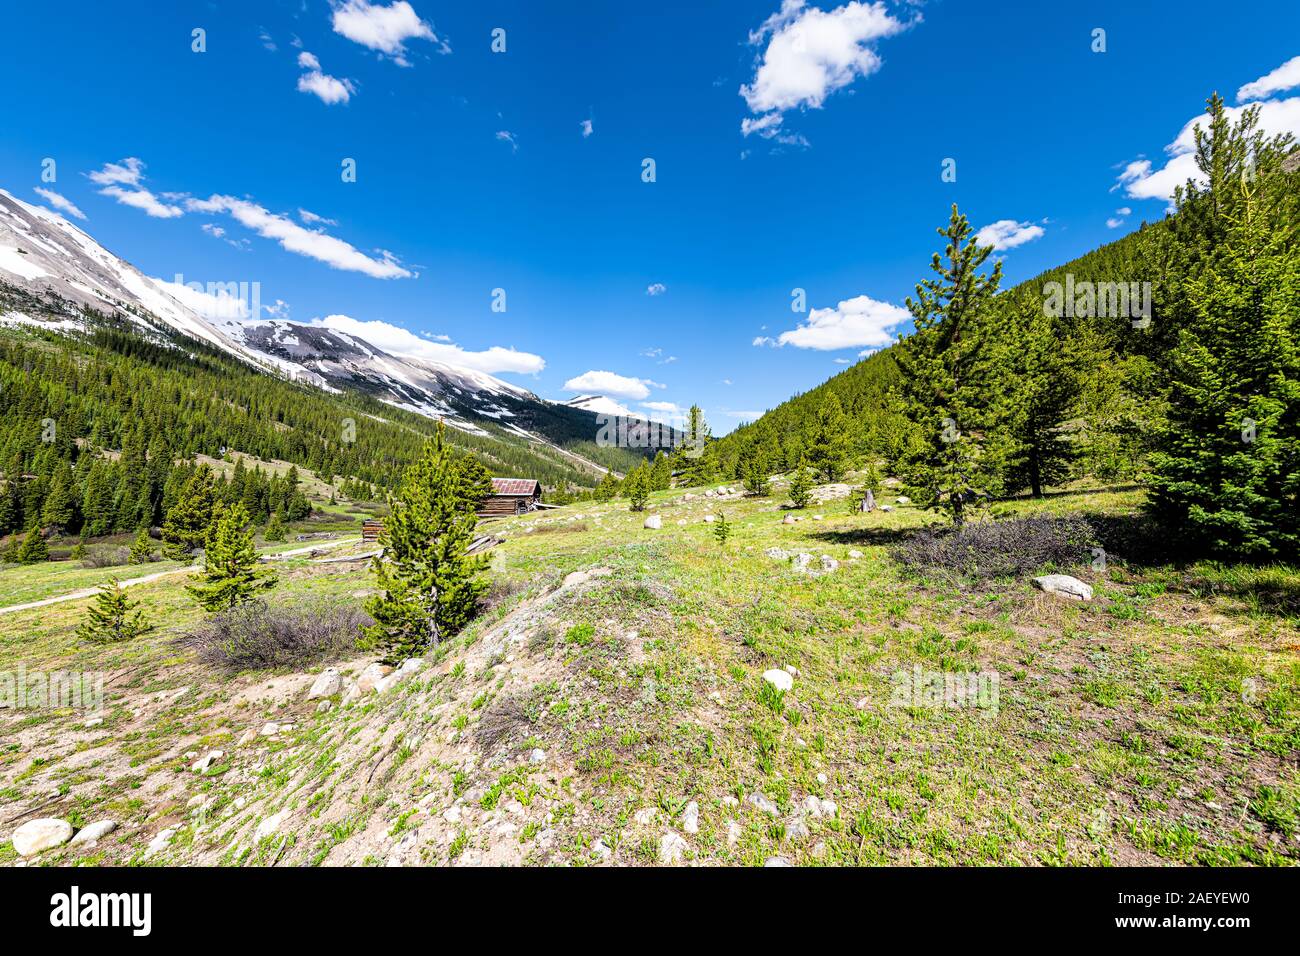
[796, 146]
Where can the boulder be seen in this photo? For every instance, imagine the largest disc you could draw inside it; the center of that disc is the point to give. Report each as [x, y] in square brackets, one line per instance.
[780, 679]
[763, 804]
[1062, 585]
[44, 834]
[789, 519]
[268, 826]
[371, 676]
[204, 763]
[709, 519]
[159, 842]
[691, 818]
[829, 563]
[329, 683]
[654, 522]
[902, 500]
[802, 562]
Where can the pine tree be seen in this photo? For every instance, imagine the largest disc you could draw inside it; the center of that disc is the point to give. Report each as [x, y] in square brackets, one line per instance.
[756, 478]
[695, 461]
[113, 616]
[636, 487]
[431, 586]
[274, 529]
[230, 575]
[608, 488]
[1227, 472]
[141, 548]
[187, 522]
[58, 510]
[829, 451]
[661, 473]
[944, 385]
[801, 485]
[1036, 392]
[33, 550]
[721, 530]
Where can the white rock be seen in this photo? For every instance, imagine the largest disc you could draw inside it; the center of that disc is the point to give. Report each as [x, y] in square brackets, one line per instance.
[645, 816]
[537, 756]
[325, 706]
[829, 563]
[329, 683]
[902, 500]
[270, 729]
[779, 679]
[671, 848]
[855, 553]
[733, 833]
[204, 763]
[886, 508]
[709, 519]
[268, 826]
[95, 831]
[452, 814]
[777, 861]
[796, 829]
[691, 818]
[653, 522]
[802, 562]
[94, 722]
[1062, 585]
[789, 519]
[37, 835]
[601, 851]
[159, 842]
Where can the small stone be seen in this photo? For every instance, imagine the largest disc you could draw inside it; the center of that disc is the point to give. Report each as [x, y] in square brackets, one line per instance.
[691, 818]
[777, 861]
[829, 563]
[861, 704]
[855, 554]
[94, 722]
[886, 508]
[269, 729]
[796, 829]
[325, 706]
[204, 763]
[733, 833]
[44, 834]
[268, 826]
[645, 816]
[671, 848]
[247, 737]
[709, 519]
[788, 519]
[601, 851]
[93, 832]
[452, 814]
[371, 676]
[537, 756]
[779, 679]
[821, 778]
[653, 522]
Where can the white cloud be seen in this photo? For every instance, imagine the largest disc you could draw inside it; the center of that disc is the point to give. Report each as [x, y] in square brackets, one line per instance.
[61, 202]
[329, 89]
[663, 407]
[1141, 180]
[747, 416]
[384, 28]
[1285, 77]
[267, 41]
[212, 230]
[853, 323]
[587, 128]
[399, 341]
[810, 54]
[656, 288]
[130, 173]
[317, 245]
[611, 383]
[1114, 223]
[311, 219]
[1007, 234]
[505, 136]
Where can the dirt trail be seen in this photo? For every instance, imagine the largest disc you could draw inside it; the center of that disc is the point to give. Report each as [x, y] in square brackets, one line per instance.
[131, 582]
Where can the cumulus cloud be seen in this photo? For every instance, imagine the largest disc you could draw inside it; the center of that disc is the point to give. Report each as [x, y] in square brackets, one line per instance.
[328, 89]
[1285, 77]
[587, 128]
[399, 341]
[853, 323]
[810, 54]
[611, 383]
[60, 202]
[214, 305]
[122, 181]
[384, 28]
[656, 288]
[1007, 234]
[1141, 179]
[314, 244]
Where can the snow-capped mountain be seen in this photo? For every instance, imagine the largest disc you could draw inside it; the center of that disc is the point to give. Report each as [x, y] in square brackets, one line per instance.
[600, 404]
[55, 272]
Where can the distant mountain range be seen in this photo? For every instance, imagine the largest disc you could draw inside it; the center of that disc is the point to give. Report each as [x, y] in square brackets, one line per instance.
[59, 277]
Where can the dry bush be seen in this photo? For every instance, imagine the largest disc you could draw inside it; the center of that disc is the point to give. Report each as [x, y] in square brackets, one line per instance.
[999, 549]
[559, 528]
[107, 558]
[255, 636]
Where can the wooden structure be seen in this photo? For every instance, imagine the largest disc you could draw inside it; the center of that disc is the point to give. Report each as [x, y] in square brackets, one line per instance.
[511, 496]
[370, 529]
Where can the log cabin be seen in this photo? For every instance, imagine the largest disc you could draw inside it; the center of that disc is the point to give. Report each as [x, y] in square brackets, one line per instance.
[511, 496]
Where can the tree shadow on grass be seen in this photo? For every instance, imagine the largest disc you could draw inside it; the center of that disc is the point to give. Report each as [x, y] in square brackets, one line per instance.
[864, 536]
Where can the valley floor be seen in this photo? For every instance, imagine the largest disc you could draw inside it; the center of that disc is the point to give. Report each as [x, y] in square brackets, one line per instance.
[609, 708]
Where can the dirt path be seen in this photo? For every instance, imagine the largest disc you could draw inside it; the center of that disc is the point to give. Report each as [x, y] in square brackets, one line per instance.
[131, 582]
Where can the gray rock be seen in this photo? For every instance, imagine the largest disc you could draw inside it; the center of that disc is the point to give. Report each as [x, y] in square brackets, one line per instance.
[691, 818]
[777, 861]
[159, 842]
[760, 802]
[654, 522]
[1062, 585]
[779, 679]
[35, 836]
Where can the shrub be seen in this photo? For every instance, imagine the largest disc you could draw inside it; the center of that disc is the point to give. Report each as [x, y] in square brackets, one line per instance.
[993, 549]
[254, 636]
[106, 557]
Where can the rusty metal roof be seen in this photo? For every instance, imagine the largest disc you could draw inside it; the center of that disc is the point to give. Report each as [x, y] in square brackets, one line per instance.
[514, 486]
